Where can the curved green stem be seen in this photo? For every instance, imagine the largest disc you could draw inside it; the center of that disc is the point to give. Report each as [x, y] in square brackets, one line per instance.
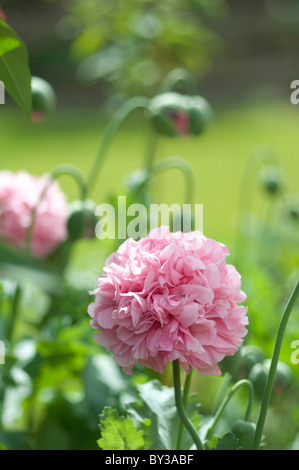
[221, 392]
[75, 173]
[185, 398]
[259, 156]
[150, 150]
[180, 407]
[60, 170]
[116, 121]
[272, 371]
[167, 164]
[241, 384]
[181, 164]
[177, 76]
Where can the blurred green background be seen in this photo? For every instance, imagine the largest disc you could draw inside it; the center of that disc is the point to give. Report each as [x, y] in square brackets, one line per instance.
[244, 56]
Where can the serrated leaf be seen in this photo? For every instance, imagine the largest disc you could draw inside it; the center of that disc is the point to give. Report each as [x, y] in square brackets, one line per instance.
[118, 432]
[227, 442]
[14, 68]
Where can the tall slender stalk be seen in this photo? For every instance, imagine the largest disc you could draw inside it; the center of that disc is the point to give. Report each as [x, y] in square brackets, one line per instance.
[272, 371]
[181, 164]
[116, 121]
[180, 407]
[244, 383]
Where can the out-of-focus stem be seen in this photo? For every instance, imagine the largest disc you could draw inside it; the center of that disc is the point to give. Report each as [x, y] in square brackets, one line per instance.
[273, 367]
[241, 384]
[116, 121]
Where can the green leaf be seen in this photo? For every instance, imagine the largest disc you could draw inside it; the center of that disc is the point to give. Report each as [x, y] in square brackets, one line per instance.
[17, 266]
[14, 440]
[14, 68]
[118, 432]
[102, 382]
[157, 407]
[227, 442]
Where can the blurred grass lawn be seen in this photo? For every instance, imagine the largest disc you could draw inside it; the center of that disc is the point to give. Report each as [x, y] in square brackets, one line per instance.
[218, 157]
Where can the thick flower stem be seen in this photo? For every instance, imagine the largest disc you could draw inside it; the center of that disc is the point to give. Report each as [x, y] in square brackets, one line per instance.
[180, 407]
[241, 384]
[272, 371]
[118, 118]
[185, 398]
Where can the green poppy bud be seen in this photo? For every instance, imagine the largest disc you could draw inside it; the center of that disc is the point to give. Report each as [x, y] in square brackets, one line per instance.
[291, 207]
[294, 213]
[259, 374]
[43, 99]
[82, 220]
[175, 114]
[244, 431]
[200, 114]
[272, 179]
[249, 356]
[230, 364]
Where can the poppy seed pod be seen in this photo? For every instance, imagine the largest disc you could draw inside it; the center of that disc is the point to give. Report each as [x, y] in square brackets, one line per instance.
[230, 364]
[82, 220]
[259, 373]
[272, 179]
[244, 431]
[291, 207]
[175, 114]
[43, 99]
[249, 356]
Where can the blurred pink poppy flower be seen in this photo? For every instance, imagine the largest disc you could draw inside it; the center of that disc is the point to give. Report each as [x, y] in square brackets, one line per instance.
[19, 195]
[159, 300]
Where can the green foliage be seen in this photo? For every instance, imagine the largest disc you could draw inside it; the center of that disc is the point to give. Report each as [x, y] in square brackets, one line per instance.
[17, 266]
[134, 44]
[151, 421]
[156, 412]
[227, 442]
[14, 68]
[244, 431]
[118, 432]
